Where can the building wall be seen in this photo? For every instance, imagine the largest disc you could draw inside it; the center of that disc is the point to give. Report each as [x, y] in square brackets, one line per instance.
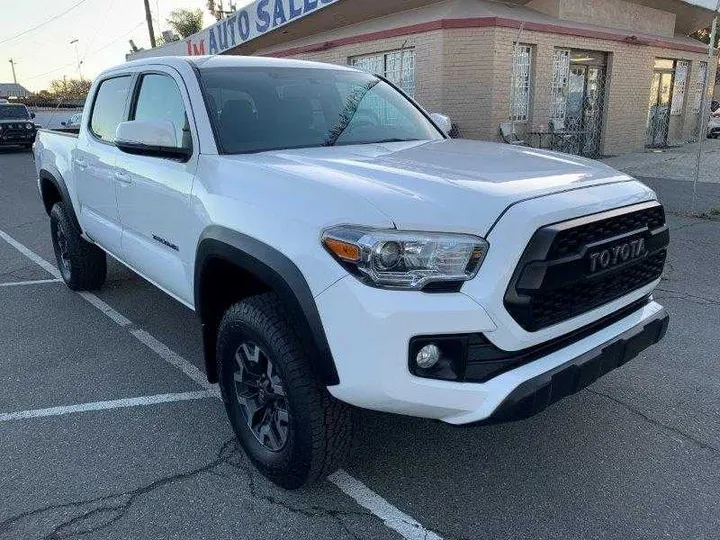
[429, 59]
[619, 14]
[630, 69]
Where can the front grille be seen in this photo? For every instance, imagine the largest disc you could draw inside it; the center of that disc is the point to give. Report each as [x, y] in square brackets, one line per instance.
[572, 240]
[555, 279]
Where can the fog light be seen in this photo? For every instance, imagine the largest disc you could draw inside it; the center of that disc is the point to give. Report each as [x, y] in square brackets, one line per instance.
[428, 356]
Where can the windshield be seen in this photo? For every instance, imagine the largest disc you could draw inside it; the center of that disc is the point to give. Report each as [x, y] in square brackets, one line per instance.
[16, 112]
[259, 109]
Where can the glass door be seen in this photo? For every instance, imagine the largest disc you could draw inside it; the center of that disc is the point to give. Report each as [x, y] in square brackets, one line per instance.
[659, 105]
[593, 112]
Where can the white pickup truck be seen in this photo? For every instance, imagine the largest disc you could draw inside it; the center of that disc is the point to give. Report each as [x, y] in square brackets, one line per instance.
[340, 250]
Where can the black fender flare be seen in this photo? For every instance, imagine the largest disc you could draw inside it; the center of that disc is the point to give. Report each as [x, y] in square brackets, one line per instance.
[53, 176]
[279, 273]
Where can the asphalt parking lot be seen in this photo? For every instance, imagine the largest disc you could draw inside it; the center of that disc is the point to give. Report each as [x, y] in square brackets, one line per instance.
[107, 429]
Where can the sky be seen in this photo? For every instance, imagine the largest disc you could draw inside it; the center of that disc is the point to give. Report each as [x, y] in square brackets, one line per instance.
[102, 28]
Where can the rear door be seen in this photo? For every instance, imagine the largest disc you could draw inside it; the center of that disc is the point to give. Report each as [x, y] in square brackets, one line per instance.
[153, 192]
[94, 162]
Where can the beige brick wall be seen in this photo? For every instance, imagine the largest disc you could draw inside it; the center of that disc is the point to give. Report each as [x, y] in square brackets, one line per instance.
[428, 61]
[466, 74]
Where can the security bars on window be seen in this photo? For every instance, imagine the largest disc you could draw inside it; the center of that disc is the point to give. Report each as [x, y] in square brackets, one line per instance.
[520, 90]
[559, 84]
[678, 99]
[396, 66]
[699, 85]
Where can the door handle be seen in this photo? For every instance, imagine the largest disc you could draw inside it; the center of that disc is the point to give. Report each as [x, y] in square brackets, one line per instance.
[81, 164]
[123, 177]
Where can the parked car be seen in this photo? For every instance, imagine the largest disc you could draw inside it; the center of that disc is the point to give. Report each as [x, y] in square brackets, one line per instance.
[341, 250]
[713, 129]
[73, 122]
[16, 126]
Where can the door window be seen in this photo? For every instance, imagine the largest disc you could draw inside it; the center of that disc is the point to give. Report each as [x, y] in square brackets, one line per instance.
[109, 108]
[160, 99]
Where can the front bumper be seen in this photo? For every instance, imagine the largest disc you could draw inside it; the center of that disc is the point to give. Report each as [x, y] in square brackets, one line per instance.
[536, 394]
[369, 331]
[17, 137]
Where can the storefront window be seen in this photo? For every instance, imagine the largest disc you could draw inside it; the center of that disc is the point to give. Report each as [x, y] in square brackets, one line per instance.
[396, 66]
[699, 85]
[520, 86]
[678, 98]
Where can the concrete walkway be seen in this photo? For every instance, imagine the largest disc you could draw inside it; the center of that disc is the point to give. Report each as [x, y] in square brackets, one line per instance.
[670, 172]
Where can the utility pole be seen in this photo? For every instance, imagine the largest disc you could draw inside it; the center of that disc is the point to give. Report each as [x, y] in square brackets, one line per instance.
[148, 18]
[77, 56]
[12, 64]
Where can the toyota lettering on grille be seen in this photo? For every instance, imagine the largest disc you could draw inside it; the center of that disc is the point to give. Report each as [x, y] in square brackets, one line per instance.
[618, 254]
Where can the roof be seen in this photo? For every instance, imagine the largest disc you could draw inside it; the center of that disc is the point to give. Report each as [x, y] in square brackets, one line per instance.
[14, 90]
[301, 35]
[261, 24]
[229, 61]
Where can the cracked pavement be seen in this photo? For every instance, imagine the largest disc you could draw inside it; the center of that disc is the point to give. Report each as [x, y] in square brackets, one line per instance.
[636, 455]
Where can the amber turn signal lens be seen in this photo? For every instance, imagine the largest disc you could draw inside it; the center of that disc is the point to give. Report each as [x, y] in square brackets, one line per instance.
[343, 250]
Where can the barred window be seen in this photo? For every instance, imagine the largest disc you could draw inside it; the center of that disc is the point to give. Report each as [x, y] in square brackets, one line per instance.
[678, 100]
[559, 84]
[396, 66]
[699, 85]
[520, 83]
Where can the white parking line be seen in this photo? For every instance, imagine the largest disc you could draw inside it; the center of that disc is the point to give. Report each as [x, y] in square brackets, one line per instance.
[104, 405]
[34, 257]
[391, 516]
[174, 359]
[31, 282]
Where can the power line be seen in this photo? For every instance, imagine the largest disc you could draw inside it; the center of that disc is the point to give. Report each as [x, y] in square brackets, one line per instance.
[51, 19]
[89, 54]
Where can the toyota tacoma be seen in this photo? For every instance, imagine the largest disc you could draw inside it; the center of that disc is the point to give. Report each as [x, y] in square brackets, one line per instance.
[341, 251]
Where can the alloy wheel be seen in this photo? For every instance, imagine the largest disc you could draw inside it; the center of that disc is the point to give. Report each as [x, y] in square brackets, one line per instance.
[261, 396]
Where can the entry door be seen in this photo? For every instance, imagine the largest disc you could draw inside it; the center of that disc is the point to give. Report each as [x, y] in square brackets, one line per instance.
[575, 111]
[593, 112]
[659, 109]
[154, 193]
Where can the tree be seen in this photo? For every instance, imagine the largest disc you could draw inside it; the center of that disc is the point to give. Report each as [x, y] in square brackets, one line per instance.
[186, 21]
[70, 89]
[704, 36]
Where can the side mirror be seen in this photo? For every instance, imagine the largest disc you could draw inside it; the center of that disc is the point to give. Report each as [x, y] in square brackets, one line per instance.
[151, 138]
[443, 122]
[32, 115]
[63, 123]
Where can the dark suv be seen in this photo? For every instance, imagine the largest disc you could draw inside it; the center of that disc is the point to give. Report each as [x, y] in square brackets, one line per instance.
[16, 125]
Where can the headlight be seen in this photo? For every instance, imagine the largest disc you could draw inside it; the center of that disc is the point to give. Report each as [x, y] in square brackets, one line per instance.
[405, 260]
[28, 126]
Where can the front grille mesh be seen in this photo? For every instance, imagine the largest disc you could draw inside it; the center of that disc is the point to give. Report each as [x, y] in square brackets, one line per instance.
[572, 241]
[576, 299]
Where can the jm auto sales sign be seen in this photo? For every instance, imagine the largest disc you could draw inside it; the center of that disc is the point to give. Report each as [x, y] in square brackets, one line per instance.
[254, 20]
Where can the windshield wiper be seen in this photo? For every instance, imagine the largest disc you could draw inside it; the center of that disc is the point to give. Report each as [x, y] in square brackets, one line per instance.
[348, 112]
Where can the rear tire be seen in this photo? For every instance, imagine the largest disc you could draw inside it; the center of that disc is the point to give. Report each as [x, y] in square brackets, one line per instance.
[263, 367]
[82, 265]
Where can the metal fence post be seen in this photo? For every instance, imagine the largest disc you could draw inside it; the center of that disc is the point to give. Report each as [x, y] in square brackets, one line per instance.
[704, 107]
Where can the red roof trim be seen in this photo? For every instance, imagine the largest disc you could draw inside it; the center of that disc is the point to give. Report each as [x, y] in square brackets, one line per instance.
[487, 22]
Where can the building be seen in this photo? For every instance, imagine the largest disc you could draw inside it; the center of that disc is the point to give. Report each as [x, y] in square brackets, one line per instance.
[594, 77]
[13, 90]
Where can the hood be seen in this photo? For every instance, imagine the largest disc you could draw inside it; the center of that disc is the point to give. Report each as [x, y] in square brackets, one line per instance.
[448, 185]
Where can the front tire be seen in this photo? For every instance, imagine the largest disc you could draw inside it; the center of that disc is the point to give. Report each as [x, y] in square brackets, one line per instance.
[289, 425]
[82, 265]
